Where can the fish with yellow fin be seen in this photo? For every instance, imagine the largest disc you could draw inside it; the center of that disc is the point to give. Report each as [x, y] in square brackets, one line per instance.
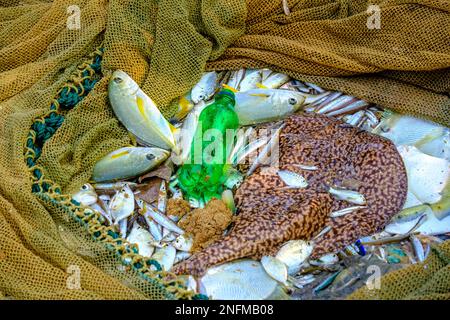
[184, 105]
[138, 113]
[128, 162]
[264, 105]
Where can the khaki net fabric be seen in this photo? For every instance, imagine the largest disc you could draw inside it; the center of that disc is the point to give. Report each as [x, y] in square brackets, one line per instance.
[428, 280]
[165, 45]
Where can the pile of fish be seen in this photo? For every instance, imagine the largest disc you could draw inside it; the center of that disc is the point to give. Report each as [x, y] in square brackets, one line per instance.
[263, 96]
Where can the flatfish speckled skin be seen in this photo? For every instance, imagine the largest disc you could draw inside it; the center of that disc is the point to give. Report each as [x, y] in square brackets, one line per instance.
[271, 214]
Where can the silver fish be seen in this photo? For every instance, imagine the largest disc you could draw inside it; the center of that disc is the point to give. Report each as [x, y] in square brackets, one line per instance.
[264, 105]
[275, 268]
[122, 204]
[142, 238]
[165, 256]
[112, 186]
[275, 80]
[185, 136]
[418, 248]
[236, 78]
[263, 156]
[348, 195]
[345, 211]
[86, 196]
[128, 162]
[292, 179]
[294, 253]
[205, 88]
[183, 243]
[159, 217]
[251, 78]
[138, 113]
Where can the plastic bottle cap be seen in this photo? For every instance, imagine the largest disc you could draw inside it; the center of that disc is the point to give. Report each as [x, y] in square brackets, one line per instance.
[226, 92]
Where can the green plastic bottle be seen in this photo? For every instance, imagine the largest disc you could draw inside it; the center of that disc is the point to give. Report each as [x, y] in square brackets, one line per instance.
[204, 176]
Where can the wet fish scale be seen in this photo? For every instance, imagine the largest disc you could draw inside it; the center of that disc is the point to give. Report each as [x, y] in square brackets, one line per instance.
[270, 215]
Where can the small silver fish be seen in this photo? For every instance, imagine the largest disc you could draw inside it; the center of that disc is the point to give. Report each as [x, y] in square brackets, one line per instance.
[292, 179]
[294, 253]
[113, 186]
[165, 256]
[345, 211]
[264, 105]
[418, 248]
[251, 78]
[162, 197]
[263, 156]
[159, 217]
[142, 238]
[128, 162]
[122, 204]
[138, 113]
[275, 80]
[123, 226]
[410, 213]
[306, 167]
[86, 196]
[205, 88]
[348, 195]
[275, 268]
[236, 78]
[183, 243]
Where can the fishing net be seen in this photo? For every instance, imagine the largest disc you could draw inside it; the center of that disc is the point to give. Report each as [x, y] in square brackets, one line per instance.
[55, 120]
[428, 280]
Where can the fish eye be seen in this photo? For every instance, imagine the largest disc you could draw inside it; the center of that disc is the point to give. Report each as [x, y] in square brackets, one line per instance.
[292, 101]
[201, 97]
[117, 79]
[150, 156]
[84, 187]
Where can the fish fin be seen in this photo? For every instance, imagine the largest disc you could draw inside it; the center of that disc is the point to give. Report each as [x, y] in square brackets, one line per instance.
[120, 154]
[261, 86]
[229, 87]
[141, 108]
[263, 95]
[133, 139]
[173, 129]
[434, 134]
